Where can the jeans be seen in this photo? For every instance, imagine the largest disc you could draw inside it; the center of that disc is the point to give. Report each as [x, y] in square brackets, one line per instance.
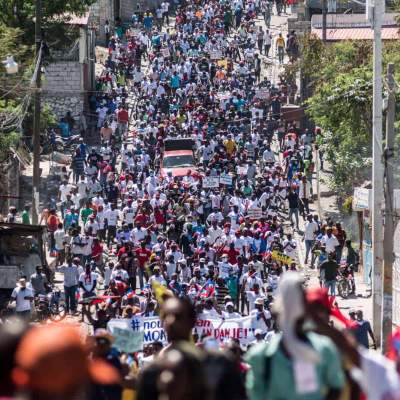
[70, 299]
[309, 246]
[305, 209]
[331, 286]
[141, 273]
[339, 251]
[294, 211]
[25, 315]
[281, 54]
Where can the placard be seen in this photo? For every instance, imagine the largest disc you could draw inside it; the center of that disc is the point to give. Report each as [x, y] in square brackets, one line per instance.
[262, 94]
[210, 181]
[225, 179]
[165, 51]
[278, 256]
[242, 170]
[255, 212]
[127, 340]
[215, 54]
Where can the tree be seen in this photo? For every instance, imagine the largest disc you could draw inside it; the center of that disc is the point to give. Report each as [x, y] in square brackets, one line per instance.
[21, 13]
[339, 82]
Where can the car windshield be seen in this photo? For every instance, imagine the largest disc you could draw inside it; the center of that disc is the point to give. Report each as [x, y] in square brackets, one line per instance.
[185, 160]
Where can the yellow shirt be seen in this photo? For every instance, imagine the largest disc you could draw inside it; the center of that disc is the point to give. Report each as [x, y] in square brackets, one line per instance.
[280, 42]
[230, 146]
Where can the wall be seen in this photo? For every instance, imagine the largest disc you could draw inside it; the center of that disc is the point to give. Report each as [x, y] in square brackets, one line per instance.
[10, 172]
[129, 7]
[100, 12]
[396, 276]
[62, 87]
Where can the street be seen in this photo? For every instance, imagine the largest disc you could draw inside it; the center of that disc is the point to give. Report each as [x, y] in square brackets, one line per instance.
[191, 220]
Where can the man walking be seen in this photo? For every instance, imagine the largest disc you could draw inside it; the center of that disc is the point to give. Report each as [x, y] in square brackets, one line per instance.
[71, 277]
[280, 47]
[329, 270]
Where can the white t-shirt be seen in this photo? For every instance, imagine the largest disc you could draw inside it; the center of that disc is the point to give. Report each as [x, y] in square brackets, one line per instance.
[19, 295]
[310, 231]
[257, 320]
[64, 191]
[87, 281]
[330, 243]
[379, 379]
[112, 217]
[290, 248]
[232, 315]
[138, 234]
[120, 273]
[60, 238]
[251, 298]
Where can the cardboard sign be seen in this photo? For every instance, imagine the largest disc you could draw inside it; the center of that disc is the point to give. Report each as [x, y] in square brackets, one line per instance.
[215, 54]
[165, 51]
[255, 212]
[225, 179]
[242, 170]
[278, 256]
[262, 94]
[210, 181]
[127, 340]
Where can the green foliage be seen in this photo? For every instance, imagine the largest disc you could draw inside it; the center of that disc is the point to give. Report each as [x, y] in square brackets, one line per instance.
[17, 26]
[340, 78]
[348, 205]
[21, 14]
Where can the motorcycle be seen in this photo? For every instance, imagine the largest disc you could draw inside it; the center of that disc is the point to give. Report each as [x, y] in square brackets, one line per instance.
[50, 306]
[345, 281]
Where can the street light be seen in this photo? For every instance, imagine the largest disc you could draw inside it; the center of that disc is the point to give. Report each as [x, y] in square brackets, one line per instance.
[10, 65]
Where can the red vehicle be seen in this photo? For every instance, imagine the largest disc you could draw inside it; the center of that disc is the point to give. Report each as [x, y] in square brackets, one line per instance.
[178, 157]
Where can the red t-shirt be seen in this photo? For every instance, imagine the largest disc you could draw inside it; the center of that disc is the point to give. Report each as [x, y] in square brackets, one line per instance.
[143, 256]
[123, 115]
[232, 256]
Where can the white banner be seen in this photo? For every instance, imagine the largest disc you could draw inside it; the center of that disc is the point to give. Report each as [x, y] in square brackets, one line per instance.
[151, 327]
[219, 328]
[224, 329]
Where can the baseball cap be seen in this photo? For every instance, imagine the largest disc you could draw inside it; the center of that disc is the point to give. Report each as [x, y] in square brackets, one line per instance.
[45, 352]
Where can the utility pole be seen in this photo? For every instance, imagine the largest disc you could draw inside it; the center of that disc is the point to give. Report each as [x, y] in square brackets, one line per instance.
[324, 12]
[388, 233]
[36, 115]
[377, 173]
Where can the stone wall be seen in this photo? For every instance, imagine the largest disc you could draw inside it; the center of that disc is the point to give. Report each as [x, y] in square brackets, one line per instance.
[129, 7]
[100, 12]
[62, 87]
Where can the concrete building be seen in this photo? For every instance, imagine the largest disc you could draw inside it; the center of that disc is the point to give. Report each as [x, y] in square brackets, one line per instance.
[71, 74]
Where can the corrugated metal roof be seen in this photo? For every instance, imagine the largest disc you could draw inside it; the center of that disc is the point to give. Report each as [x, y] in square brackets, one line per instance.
[338, 34]
[351, 20]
